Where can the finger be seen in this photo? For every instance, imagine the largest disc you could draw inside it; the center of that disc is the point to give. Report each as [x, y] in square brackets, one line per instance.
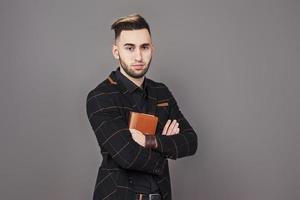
[172, 125]
[132, 130]
[177, 130]
[135, 131]
[175, 127]
[174, 131]
[166, 127]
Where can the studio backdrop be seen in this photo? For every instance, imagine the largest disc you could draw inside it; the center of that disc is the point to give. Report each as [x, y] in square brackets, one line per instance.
[233, 66]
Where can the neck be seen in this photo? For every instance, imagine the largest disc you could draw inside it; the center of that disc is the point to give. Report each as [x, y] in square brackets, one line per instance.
[137, 81]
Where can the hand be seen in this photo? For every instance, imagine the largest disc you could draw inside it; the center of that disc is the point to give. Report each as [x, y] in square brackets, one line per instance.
[138, 137]
[171, 128]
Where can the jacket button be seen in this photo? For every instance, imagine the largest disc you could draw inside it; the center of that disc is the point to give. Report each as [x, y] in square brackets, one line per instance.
[130, 181]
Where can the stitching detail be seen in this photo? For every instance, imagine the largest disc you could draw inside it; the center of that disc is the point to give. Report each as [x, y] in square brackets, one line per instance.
[110, 107]
[123, 129]
[110, 194]
[161, 180]
[137, 155]
[102, 93]
[105, 177]
[112, 81]
[116, 151]
[102, 123]
[148, 159]
[120, 150]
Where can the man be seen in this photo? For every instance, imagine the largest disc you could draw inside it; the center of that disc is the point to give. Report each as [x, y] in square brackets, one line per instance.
[135, 166]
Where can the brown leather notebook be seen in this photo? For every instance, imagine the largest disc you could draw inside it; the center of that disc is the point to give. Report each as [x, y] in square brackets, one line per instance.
[146, 123]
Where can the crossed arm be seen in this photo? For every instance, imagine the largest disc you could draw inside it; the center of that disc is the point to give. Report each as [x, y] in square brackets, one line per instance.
[171, 128]
[178, 138]
[127, 147]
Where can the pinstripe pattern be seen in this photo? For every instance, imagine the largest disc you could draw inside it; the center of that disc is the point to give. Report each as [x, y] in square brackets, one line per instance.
[108, 108]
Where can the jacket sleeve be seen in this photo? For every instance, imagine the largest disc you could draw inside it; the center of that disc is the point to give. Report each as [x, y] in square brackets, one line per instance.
[113, 136]
[184, 143]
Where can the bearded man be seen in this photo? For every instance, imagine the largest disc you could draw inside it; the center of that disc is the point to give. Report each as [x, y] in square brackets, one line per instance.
[134, 165]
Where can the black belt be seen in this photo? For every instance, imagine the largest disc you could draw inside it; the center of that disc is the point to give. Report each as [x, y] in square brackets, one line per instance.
[154, 196]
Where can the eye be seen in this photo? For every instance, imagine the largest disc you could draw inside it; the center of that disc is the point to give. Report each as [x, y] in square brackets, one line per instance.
[129, 48]
[145, 47]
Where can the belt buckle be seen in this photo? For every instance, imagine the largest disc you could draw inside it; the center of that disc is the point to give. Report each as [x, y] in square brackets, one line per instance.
[154, 195]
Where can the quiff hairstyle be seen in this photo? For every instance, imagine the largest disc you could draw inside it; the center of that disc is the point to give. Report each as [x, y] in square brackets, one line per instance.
[129, 22]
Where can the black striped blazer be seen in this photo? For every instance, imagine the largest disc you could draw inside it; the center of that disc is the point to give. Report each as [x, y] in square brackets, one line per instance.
[108, 106]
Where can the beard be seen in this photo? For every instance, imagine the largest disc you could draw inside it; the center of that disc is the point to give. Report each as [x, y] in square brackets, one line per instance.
[130, 72]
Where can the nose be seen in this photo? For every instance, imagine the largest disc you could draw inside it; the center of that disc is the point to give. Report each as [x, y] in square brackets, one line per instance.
[138, 55]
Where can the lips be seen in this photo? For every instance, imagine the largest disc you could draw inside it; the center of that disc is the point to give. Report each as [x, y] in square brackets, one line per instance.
[138, 66]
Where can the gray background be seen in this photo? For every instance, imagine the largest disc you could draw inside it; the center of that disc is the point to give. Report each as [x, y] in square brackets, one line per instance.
[233, 66]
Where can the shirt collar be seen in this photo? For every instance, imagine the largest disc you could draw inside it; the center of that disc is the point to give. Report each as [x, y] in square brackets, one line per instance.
[130, 86]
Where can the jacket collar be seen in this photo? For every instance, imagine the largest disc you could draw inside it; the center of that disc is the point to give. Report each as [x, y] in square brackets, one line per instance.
[130, 86]
[152, 94]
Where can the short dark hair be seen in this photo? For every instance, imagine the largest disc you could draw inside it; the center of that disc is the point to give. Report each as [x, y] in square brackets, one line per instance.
[129, 22]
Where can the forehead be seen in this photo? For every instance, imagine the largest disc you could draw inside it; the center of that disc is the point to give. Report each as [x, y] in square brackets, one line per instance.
[136, 37]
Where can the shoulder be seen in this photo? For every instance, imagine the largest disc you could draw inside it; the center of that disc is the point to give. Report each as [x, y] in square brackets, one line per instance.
[103, 91]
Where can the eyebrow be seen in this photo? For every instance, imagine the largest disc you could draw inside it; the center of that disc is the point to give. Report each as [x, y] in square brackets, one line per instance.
[130, 44]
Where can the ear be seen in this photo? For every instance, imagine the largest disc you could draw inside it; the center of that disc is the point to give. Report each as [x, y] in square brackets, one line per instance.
[115, 51]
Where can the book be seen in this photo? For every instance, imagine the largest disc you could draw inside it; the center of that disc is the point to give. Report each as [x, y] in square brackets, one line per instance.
[143, 122]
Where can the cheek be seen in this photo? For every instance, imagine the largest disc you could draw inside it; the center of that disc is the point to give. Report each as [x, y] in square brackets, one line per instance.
[148, 56]
[126, 57]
